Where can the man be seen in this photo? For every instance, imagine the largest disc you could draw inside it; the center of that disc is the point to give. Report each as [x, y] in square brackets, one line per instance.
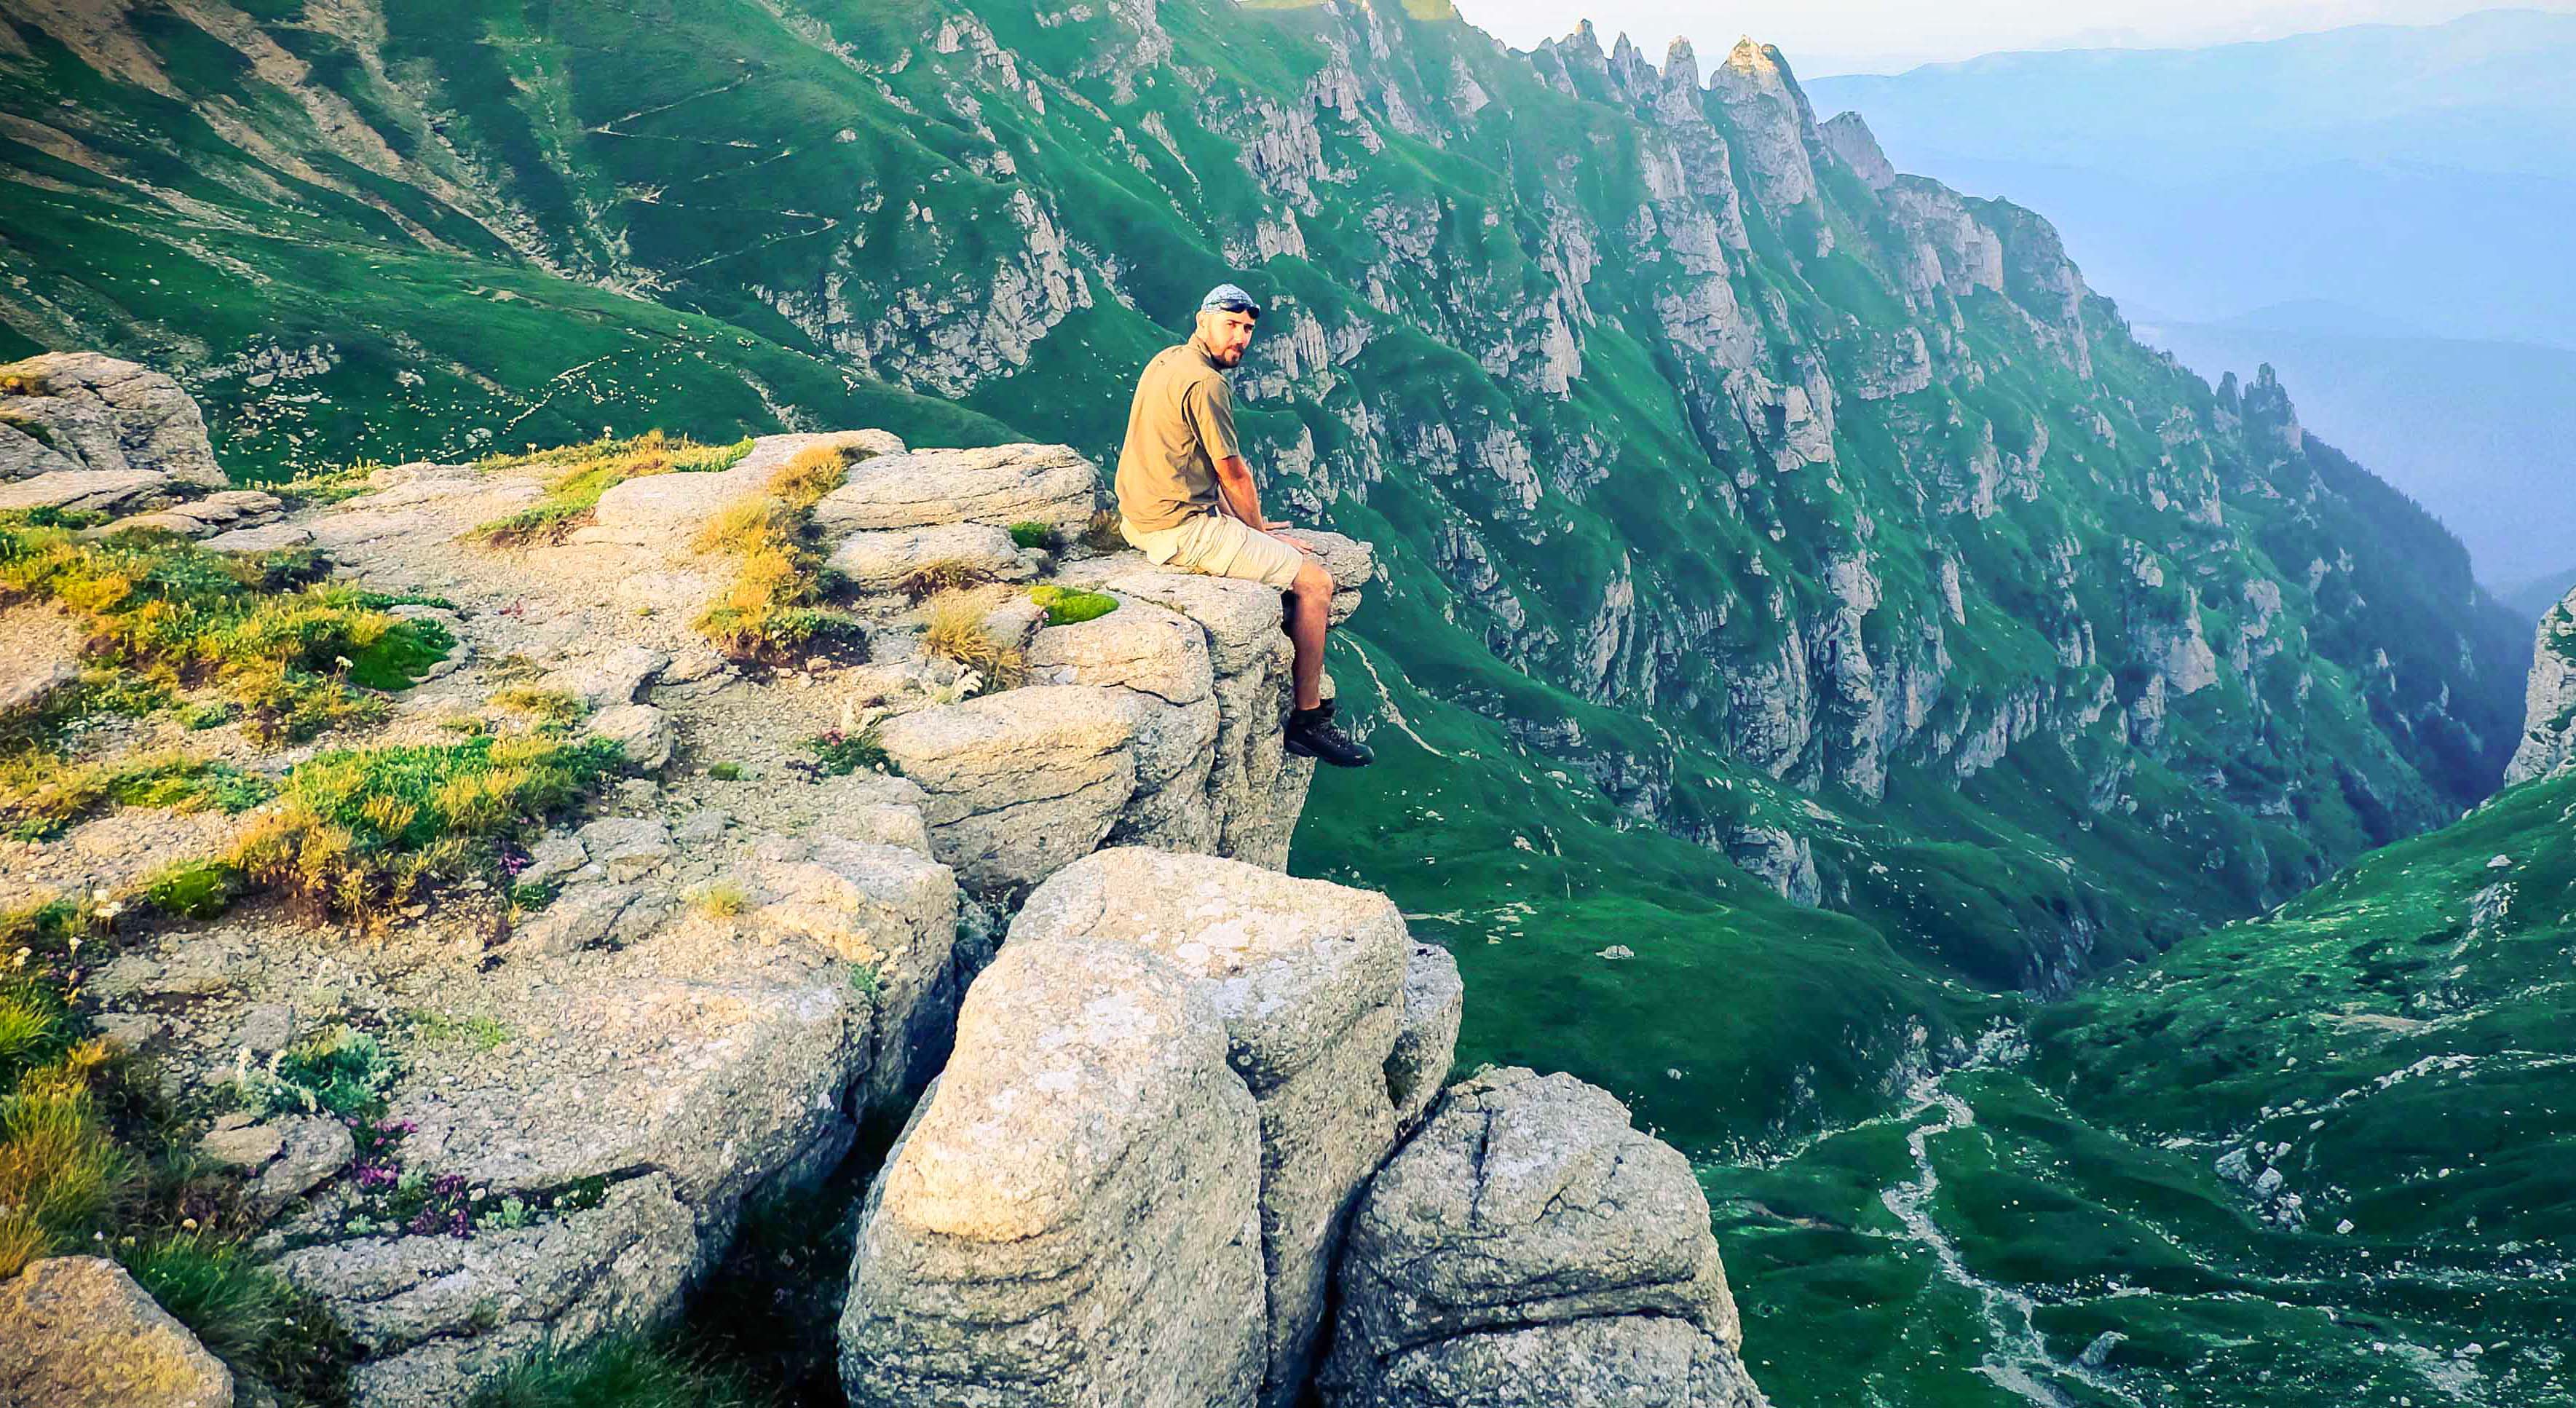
[1186, 499]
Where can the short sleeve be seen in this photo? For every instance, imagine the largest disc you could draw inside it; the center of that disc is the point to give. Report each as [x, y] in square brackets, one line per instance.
[1209, 407]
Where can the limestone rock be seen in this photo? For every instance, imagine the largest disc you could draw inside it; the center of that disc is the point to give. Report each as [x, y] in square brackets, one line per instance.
[27, 685]
[1020, 783]
[627, 847]
[199, 518]
[891, 911]
[80, 1334]
[665, 511]
[610, 676]
[437, 1317]
[2549, 700]
[996, 486]
[1426, 1038]
[878, 560]
[590, 914]
[644, 732]
[312, 1149]
[1526, 1238]
[276, 537]
[237, 1141]
[1069, 1220]
[1308, 977]
[1140, 646]
[84, 490]
[97, 413]
[554, 856]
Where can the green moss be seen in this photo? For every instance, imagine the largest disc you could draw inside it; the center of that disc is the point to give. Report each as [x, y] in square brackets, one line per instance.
[193, 889]
[1067, 606]
[1040, 536]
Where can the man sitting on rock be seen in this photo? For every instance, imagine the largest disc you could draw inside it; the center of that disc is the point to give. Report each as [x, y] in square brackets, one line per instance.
[1186, 499]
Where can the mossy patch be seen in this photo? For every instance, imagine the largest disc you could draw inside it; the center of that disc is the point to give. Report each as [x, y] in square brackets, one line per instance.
[41, 796]
[1038, 536]
[1070, 606]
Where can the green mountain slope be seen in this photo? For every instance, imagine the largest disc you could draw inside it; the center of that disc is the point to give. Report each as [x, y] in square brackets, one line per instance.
[1805, 513]
[2325, 1157]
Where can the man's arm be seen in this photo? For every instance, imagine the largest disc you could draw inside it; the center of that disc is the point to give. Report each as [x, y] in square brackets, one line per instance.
[1234, 481]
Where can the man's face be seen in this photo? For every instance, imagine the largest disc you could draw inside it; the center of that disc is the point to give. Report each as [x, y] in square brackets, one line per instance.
[1226, 334]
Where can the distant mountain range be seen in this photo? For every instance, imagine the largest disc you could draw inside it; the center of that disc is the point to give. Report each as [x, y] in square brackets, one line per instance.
[2380, 212]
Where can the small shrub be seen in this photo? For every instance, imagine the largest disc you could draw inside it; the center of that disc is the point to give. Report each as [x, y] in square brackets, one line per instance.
[863, 978]
[1068, 606]
[1101, 533]
[721, 900]
[840, 752]
[955, 631]
[343, 1071]
[947, 574]
[1033, 534]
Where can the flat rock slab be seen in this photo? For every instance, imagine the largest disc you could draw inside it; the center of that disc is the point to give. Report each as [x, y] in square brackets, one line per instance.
[1069, 1220]
[83, 490]
[666, 510]
[878, 560]
[77, 1332]
[996, 486]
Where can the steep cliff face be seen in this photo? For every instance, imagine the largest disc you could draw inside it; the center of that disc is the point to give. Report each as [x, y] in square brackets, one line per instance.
[1810, 512]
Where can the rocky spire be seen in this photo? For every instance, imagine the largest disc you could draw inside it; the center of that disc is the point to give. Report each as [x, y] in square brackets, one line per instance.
[2270, 419]
[1771, 119]
[1851, 141]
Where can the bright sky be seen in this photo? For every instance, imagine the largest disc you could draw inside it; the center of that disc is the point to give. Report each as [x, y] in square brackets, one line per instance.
[1886, 36]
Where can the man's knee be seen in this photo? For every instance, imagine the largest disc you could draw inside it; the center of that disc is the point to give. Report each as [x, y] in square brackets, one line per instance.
[1313, 582]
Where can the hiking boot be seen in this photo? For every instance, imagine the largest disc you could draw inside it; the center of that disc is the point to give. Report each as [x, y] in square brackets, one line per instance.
[1313, 734]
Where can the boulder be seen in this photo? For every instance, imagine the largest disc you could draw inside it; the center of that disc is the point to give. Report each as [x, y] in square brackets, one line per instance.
[1426, 1035]
[1308, 978]
[1069, 1219]
[94, 412]
[311, 1149]
[84, 490]
[878, 560]
[644, 732]
[890, 912]
[437, 1317]
[588, 914]
[996, 486]
[80, 1334]
[1529, 1247]
[1020, 783]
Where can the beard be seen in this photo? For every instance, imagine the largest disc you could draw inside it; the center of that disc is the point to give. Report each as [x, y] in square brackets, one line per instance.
[1230, 359]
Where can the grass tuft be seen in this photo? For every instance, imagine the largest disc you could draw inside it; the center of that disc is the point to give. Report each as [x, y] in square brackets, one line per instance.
[945, 574]
[814, 472]
[955, 631]
[624, 1372]
[357, 833]
[1101, 533]
[245, 1313]
[840, 752]
[772, 610]
[721, 900]
[41, 796]
[553, 708]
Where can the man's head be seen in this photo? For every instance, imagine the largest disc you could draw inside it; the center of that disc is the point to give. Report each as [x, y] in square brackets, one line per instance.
[1226, 317]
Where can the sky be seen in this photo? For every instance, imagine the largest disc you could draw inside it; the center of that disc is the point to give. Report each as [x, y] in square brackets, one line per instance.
[1888, 36]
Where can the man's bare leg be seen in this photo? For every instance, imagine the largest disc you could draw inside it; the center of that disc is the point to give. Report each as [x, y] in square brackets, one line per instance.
[1309, 603]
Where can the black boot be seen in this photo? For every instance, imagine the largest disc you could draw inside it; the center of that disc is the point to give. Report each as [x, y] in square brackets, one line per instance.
[1313, 734]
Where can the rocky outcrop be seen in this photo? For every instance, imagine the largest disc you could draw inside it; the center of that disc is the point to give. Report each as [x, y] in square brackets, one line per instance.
[1070, 1217]
[2549, 700]
[997, 487]
[1308, 978]
[1526, 1246]
[80, 1334]
[85, 413]
[1529, 1247]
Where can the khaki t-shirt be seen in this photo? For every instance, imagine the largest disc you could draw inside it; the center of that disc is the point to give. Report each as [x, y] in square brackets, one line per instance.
[1179, 427]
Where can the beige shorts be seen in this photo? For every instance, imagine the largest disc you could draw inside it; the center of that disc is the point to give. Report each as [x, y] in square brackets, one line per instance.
[1220, 546]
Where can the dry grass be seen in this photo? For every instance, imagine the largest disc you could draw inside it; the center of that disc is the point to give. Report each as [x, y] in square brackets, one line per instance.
[589, 471]
[814, 472]
[954, 630]
[749, 525]
[541, 706]
[721, 900]
[24, 384]
[773, 607]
